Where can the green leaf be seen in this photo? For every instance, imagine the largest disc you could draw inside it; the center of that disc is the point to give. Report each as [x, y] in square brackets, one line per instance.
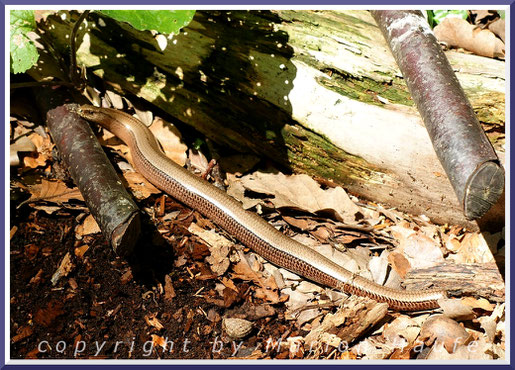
[502, 13]
[430, 17]
[440, 15]
[164, 21]
[23, 51]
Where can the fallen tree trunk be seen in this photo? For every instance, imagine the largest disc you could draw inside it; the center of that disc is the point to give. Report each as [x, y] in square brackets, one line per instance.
[315, 91]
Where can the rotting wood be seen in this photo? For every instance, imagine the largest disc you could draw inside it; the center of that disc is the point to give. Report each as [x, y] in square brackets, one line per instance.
[476, 279]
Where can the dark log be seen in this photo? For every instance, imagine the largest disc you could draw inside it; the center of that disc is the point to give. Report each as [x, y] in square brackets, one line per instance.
[109, 202]
[461, 144]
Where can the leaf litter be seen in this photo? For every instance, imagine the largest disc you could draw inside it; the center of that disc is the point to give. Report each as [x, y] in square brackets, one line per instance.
[273, 303]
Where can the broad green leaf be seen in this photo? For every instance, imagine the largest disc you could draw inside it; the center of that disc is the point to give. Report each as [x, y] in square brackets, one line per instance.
[164, 21]
[23, 51]
[440, 15]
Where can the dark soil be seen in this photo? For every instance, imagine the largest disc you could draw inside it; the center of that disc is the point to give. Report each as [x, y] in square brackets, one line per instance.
[106, 299]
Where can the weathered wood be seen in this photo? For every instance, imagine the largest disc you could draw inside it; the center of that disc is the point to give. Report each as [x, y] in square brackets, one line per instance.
[356, 316]
[315, 91]
[475, 279]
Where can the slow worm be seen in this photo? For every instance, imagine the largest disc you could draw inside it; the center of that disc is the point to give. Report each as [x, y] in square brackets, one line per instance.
[249, 228]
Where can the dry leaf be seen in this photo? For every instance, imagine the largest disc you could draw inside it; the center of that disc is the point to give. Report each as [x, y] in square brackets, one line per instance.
[139, 186]
[456, 309]
[237, 191]
[170, 139]
[22, 145]
[198, 161]
[219, 247]
[87, 227]
[475, 350]
[421, 251]
[499, 28]
[474, 248]
[371, 349]
[378, 266]
[399, 263]
[268, 288]
[401, 332]
[115, 99]
[53, 191]
[445, 330]
[44, 151]
[300, 223]
[46, 316]
[459, 33]
[489, 325]
[478, 303]
[303, 193]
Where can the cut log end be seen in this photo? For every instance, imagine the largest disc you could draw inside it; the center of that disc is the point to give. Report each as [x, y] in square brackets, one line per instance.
[126, 235]
[483, 189]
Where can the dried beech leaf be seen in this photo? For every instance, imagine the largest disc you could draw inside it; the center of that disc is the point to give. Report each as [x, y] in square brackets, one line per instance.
[473, 249]
[456, 309]
[399, 263]
[478, 303]
[115, 99]
[237, 191]
[303, 193]
[54, 191]
[378, 266]
[299, 223]
[401, 332]
[170, 139]
[46, 316]
[421, 251]
[442, 329]
[268, 288]
[198, 161]
[22, 145]
[499, 28]
[489, 326]
[139, 186]
[478, 349]
[219, 248]
[88, 226]
[459, 33]
[44, 151]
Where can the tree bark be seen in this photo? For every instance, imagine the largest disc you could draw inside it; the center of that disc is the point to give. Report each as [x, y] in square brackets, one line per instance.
[317, 92]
